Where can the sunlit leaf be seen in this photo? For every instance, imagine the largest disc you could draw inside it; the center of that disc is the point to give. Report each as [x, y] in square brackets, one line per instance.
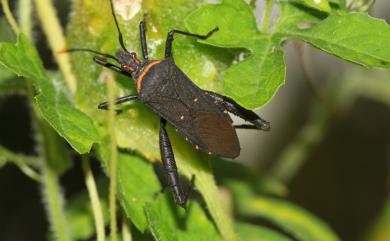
[292, 219]
[169, 222]
[356, 37]
[254, 79]
[137, 184]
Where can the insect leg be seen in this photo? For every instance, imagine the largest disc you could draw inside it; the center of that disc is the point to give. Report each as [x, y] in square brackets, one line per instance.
[233, 107]
[142, 32]
[168, 45]
[169, 163]
[110, 66]
[120, 100]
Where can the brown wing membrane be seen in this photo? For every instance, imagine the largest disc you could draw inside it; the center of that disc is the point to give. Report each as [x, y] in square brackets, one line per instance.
[208, 131]
[218, 134]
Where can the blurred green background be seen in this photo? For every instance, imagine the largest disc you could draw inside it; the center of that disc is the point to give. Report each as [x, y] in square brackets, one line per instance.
[331, 147]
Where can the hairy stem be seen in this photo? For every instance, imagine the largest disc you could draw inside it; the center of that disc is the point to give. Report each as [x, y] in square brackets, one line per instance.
[48, 145]
[25, 163]
[10, 18]
[54, 203]
[266, 15]
[24, 16]
[52, 28]
[113, 158]
[95, 201]
[252, 4]
[126, 233]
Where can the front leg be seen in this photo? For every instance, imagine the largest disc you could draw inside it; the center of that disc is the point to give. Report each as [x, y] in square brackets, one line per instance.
[233, 107]
[168, 44]
[169, 164]
[120, 100]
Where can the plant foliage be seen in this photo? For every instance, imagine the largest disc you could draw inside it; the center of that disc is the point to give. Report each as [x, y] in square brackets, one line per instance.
[239, 61]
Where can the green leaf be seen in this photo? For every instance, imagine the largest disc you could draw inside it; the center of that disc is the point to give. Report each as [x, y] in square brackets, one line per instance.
[253, 81]
[340, 3]
[137, 127]
[70, 123]
[169, 222]
[137, 185]
[292, 219]
[356, 37]
[322, 5]
[250, 232]
[56, 152]
[9, 83]
[12, 84]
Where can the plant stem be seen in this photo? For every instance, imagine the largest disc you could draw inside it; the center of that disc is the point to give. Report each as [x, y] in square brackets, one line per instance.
[252, 4]
[52, 28]
[48, 146]
[22, 161]
[11, 20]
[24, 16]
[126, 233]
[95, 201]
[55, 207]
[266, 16]
[113, 159]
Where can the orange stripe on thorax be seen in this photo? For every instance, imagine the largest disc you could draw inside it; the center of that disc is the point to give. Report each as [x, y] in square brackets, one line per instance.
[147, 68]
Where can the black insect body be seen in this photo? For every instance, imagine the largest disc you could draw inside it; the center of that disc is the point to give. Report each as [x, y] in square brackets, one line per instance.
[169, 92]
[200, 116]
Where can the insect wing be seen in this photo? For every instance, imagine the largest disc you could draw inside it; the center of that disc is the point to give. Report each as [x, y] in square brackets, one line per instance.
[194, 115]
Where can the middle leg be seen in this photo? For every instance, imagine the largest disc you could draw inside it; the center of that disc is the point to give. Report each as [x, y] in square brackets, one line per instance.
[120, 100]
[170, 167]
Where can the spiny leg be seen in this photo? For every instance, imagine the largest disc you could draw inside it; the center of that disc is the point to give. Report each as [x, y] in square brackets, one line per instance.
[142, 33]
[168, 44]
[233, 107]
[120, 100]
[169, 164]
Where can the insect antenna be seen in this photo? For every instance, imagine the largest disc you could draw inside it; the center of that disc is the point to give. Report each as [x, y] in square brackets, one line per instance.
[120, 37]
[88, 50]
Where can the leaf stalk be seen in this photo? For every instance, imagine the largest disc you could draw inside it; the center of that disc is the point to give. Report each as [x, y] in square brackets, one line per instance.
[266, 16]
[95, 201]
[10, 18]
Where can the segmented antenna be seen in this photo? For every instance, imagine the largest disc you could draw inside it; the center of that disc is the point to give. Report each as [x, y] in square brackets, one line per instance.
[88, 50]
[120, 37]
